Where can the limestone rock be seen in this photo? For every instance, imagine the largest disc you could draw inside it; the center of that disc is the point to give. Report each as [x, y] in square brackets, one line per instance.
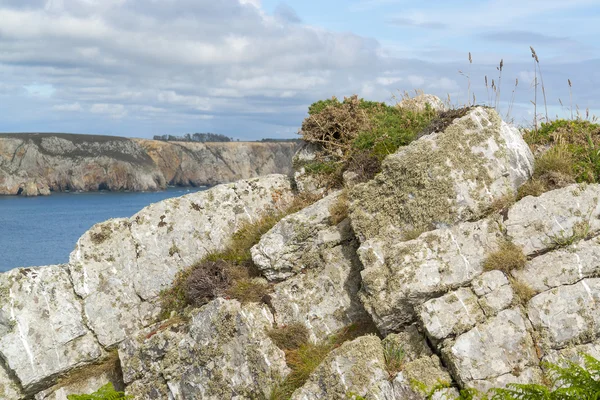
[495, 292]
[120, 266]
[501, 346]
[293, 244]
[399, 276]
[555, 218]
[178, 232]
[564, 266]
[222, 352]
[307, 183]
[419, 102]
[324, 299]
[443, 178]
[10, 389]
[356, 367]
[42, 330]
[86, 381]
[451, 314]
[567, 315]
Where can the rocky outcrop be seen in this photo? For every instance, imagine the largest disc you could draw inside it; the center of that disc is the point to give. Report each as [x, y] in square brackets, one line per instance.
[443, 178]
[487, 332]
[37, 164]
[445, 316]
[56, 319]
[222, 353]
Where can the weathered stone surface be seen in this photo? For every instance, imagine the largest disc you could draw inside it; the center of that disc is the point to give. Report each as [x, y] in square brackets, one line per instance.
[42, 332]
[574, 353]
[356, 367]
[501, 346]
[495, 291]
[308, 183]
[34, 164]
[563, 266]
[451, 314]
[295, 242]
[87, 381]
[178, 232]
[567, 315]
[555, 218]
[10, 389]
[443, 178]
[401, 275]
[324, 299]
[120, 266]
[421, 101]
[223, 352]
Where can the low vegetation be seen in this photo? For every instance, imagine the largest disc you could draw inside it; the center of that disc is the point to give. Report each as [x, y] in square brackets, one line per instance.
[569, 381]
[567, 151]
[393, 353]
[509, 256]
[339, 210]
[231, 272]
[106, 392]
[306, 357]
[356, 135]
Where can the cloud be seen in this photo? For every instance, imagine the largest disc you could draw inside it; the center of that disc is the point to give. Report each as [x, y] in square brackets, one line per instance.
[286, 13]
[411, 22]
[67, 107]
[524, 37]
[144, 67]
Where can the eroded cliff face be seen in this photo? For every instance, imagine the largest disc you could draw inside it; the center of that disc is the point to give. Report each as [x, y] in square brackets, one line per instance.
[37, 164]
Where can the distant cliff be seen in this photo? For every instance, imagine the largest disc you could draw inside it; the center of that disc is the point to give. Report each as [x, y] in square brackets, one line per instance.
[34, 164]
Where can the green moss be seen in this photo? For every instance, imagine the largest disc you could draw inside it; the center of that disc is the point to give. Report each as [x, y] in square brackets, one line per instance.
[416, 188]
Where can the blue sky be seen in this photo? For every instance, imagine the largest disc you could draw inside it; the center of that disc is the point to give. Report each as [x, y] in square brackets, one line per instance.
[250, 68]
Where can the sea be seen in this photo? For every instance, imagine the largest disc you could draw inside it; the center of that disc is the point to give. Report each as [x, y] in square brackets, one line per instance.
[37, 231]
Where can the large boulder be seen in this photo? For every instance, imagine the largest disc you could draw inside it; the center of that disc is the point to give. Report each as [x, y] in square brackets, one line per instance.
[294, 243]
[223, 352]
[443, 178]
[43, 332]
[554, 219]
[400, 276]
[120, 266]
[420, 102]
[317, 261]
[359, 368]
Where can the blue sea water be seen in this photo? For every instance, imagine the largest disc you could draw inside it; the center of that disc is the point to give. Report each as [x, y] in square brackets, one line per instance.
[43, 230]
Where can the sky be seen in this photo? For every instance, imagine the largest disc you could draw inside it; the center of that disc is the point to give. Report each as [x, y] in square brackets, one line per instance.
[249, 69]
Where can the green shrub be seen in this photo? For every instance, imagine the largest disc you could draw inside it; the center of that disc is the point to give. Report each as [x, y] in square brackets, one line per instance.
[356, 135]
[106, 392]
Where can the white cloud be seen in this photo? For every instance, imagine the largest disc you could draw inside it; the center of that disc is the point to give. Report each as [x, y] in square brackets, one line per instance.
[68, 107]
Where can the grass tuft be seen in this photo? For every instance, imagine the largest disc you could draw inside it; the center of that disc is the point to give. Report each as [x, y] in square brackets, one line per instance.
[290, 337]
[308, 356]
[339, 209]
[509, 256]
